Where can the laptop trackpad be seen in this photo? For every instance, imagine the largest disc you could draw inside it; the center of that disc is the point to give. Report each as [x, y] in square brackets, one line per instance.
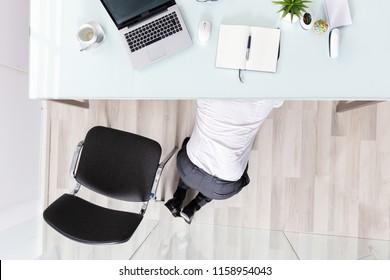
[157, 51]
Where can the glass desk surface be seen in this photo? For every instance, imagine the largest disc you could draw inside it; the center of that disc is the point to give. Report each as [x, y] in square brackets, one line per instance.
[175, 240]
[178, 241]
[35, 239]
[58, 70]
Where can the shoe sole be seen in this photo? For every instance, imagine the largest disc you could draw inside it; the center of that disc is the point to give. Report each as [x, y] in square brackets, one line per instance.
[186, 218]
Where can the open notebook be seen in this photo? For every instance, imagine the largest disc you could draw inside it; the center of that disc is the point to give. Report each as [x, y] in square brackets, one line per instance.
[233, 45]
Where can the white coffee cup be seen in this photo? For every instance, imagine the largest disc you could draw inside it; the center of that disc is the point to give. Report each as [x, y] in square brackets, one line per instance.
[86, 35]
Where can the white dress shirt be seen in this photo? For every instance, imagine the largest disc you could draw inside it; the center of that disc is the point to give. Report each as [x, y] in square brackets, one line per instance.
[223, 134]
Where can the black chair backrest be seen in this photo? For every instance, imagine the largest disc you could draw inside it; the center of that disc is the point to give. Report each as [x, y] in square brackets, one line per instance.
[118, 164]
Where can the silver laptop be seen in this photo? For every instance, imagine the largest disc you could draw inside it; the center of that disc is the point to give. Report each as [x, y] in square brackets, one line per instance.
[151, 29]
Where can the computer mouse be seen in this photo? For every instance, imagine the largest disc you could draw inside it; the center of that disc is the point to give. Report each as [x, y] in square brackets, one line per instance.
[334, 43]
[204, 31]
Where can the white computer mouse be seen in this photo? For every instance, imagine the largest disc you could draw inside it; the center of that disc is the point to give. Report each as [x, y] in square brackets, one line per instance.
[204, 31]
[334, 43]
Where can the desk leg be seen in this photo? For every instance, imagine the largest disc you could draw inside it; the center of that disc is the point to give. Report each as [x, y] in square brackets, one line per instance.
[344, 106]
[45, 156]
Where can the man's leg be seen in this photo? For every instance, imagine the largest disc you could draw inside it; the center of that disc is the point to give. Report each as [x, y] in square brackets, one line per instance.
[174, 204]
[198, 202]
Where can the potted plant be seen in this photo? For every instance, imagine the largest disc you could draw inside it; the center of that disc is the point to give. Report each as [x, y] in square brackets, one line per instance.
[292, 10]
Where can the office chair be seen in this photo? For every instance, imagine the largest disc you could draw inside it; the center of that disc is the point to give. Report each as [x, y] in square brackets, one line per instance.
[114, 163]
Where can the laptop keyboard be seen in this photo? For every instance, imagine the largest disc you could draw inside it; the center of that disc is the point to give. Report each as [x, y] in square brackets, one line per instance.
[153, 31]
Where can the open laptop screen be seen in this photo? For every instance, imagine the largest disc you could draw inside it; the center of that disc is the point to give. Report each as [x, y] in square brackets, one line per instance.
[126, 12]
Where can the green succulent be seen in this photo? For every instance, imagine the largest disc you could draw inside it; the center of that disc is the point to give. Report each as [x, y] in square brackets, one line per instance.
[294, 7]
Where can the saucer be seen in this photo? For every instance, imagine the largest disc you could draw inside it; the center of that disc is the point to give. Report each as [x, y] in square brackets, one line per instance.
[99, 40]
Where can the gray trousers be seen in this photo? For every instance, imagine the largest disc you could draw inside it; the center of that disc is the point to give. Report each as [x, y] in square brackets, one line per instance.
[209, 187]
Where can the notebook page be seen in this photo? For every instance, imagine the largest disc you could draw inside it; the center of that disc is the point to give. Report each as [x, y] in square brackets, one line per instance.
[264, 49]
[232, 44]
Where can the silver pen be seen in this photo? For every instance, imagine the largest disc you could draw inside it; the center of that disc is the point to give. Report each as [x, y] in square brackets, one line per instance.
[248, 46]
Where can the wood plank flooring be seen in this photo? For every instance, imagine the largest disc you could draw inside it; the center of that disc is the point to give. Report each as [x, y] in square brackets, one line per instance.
[312, 170]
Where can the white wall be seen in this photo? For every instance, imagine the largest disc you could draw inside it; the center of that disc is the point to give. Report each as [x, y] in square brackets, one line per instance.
[20, 119]
[14, 22]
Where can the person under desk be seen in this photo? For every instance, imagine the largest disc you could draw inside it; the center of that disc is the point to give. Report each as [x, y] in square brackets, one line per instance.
[214, 160]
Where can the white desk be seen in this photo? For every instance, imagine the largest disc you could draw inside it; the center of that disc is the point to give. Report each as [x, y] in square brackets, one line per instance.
[58, 70]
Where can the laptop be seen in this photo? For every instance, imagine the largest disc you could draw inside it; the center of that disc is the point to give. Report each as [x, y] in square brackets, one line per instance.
[150, 29]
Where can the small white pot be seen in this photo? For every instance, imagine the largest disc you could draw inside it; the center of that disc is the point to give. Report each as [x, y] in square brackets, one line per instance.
[287, 18]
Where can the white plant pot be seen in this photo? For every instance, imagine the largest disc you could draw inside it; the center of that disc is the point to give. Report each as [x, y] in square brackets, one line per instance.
[287, 18]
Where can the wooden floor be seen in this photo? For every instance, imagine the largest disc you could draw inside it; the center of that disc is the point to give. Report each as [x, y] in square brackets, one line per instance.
[312, 170]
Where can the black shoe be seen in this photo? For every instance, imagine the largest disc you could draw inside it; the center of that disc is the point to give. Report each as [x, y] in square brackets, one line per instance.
[174, 206]
[189, 212]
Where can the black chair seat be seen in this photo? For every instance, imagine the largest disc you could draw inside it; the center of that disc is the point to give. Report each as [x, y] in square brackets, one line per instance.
[85, 222]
